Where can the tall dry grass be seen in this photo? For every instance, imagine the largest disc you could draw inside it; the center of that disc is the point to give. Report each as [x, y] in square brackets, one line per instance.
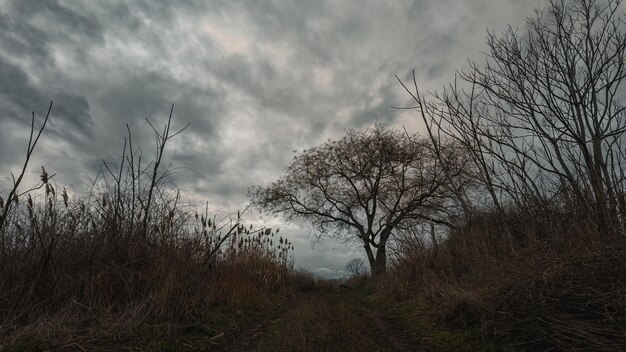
[106, 264]
[535, 279]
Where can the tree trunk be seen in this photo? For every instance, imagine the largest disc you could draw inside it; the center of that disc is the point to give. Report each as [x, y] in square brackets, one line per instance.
[370, 256]
[380, 264]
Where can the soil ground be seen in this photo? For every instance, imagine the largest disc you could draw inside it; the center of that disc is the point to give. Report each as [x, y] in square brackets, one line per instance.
[330, 317]
[334, 318]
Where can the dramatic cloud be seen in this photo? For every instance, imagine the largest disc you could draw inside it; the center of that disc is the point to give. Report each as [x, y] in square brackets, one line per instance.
[257, 80]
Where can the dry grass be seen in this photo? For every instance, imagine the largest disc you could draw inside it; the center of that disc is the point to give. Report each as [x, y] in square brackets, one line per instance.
[126, 263]
[78, 283]
[330, 319]
[556, 286]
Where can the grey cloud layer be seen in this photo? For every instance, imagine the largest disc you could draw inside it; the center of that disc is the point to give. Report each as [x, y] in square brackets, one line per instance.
[256, 79]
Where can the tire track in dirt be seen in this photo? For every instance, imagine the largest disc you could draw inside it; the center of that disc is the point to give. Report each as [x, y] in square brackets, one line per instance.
[247, 340]
[385, 330]
[393, 332]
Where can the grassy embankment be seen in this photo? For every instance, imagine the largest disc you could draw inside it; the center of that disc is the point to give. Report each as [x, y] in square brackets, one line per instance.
[553, 284]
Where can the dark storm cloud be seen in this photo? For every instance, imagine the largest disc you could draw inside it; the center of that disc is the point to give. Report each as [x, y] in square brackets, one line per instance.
[32, 28]
[10, 144]
[29, 32]
[150, 94]
[256, 79]
[21, 96]
[377, 109]
[17, 90]
[23, 39]
[62, 20]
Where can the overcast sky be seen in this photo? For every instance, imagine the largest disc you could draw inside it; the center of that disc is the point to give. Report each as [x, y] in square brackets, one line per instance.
[257, 80]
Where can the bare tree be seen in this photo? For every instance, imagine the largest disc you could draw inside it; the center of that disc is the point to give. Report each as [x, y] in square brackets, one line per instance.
[356, 267]
[542, 114]
[363, 187]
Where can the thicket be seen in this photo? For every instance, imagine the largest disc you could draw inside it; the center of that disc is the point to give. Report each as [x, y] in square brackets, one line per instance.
[534, 255]
[127, 258]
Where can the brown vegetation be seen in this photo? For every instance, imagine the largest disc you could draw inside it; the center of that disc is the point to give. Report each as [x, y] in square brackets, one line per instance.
[536, 257]
[507, 221]
[562, 290]
[126, 262]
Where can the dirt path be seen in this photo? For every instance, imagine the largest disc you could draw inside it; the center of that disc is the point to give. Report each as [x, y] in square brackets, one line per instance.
[328, 319]
[248, 339]
[392, 330]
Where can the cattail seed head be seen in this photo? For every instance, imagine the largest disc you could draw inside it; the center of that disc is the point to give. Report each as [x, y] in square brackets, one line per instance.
[65, 197]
